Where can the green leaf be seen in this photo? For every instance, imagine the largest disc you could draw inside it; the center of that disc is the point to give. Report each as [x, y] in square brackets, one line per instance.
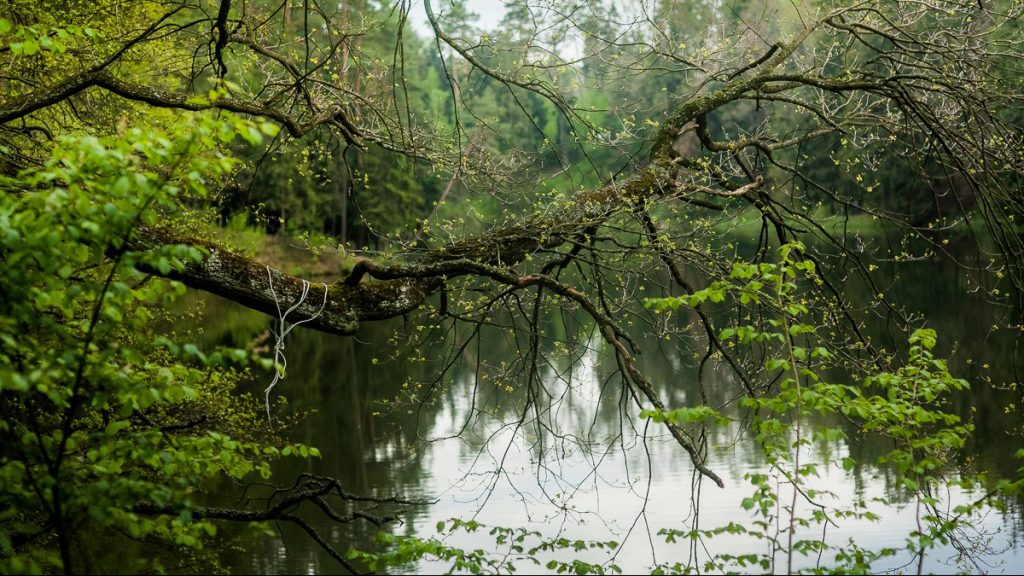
[925, 336]
[113, 313]
[117, 426]
[252, 135]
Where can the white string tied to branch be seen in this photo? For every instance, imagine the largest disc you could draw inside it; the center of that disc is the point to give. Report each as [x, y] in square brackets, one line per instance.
[280, 361]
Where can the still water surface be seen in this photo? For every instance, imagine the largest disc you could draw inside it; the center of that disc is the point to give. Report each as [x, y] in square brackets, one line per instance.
[597, 472]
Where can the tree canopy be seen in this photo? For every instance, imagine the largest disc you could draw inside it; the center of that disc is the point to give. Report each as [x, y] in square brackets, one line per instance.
[612, 162]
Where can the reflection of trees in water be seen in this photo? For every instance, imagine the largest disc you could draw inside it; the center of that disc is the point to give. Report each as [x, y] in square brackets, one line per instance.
[931, 290]
[556, 393]
[333, 383]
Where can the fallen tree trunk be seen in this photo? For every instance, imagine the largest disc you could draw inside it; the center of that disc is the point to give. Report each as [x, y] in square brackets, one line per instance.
[395, 290]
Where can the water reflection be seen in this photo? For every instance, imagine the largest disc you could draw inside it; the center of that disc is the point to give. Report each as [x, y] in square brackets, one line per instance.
[566, 454]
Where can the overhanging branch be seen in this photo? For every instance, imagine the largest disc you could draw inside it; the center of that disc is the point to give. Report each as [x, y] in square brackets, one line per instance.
[61, 91]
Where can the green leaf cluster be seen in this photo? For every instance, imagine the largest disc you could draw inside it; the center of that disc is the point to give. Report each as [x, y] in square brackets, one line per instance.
[110, 430]
[906, 406]
[520, 545]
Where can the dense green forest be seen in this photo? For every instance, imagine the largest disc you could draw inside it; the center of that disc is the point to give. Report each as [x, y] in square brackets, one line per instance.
[744, 181]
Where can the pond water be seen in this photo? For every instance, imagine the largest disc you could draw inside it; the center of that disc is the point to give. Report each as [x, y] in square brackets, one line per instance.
[582, 465]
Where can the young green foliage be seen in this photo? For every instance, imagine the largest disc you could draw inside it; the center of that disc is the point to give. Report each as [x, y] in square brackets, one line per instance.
[103, 419]
[904, 405]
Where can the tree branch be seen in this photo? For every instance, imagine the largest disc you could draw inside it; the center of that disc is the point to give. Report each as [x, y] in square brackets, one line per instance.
[56, 93]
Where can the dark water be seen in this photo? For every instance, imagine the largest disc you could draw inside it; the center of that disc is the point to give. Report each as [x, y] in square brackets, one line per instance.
[592, 470]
